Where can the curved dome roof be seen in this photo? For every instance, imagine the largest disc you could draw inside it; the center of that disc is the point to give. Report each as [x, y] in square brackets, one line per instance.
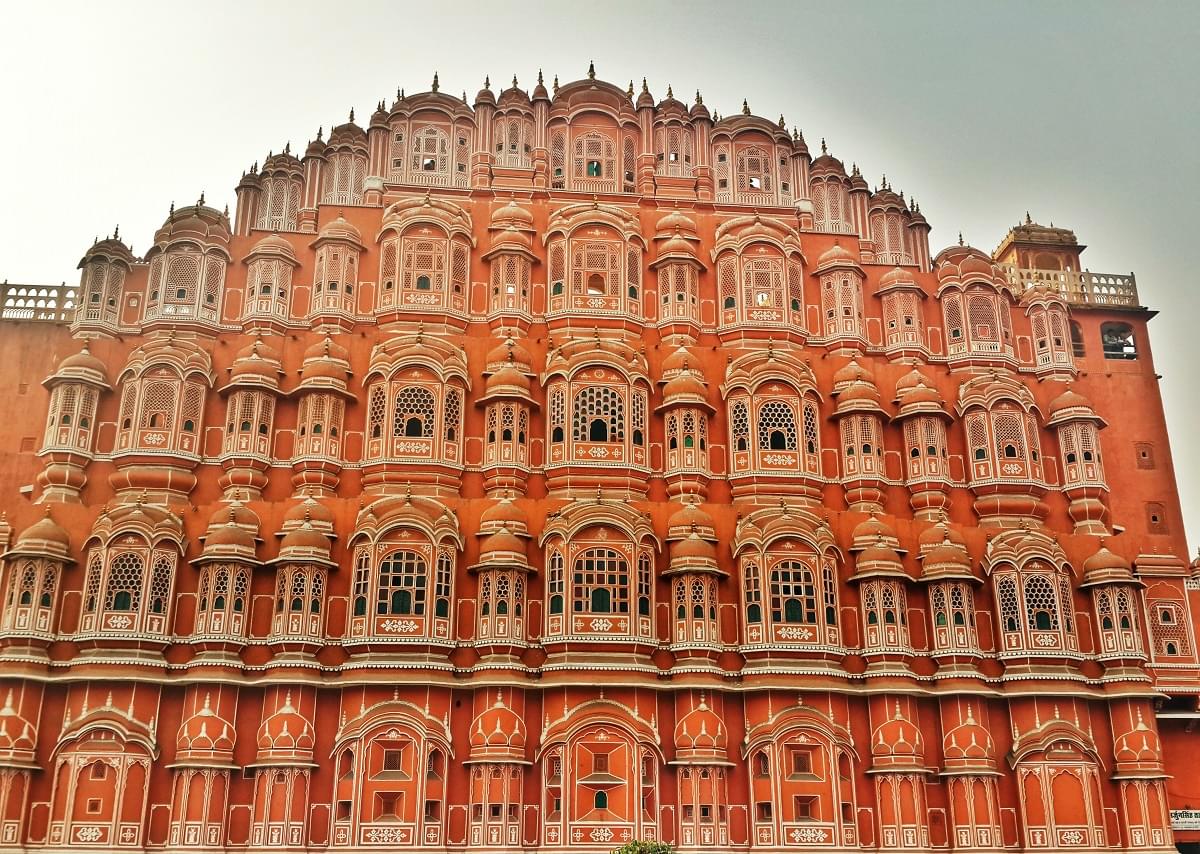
[340, 229]
[45, 538]
[498, 733]
[83, 365]
[285, 734]
[504, 514]
[204, 734]
[274, 246]
[700, 733]
[688, 518]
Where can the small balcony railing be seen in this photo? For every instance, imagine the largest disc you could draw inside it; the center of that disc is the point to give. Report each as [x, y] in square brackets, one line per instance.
[1078, 288]
[49, 303]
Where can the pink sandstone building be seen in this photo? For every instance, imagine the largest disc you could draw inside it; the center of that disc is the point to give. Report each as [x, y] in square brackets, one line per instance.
[574, 467]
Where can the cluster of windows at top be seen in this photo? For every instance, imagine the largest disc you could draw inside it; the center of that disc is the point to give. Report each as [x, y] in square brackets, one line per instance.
[601, 584]
[582, 158]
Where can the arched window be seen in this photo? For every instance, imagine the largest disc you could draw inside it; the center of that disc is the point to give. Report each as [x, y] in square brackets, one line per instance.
[1036, 611]
[1118, 341]
[777, 426]
[793, 593]
[414, 412]
[599, 415]
[600, 579]
[403, 577]
[223, 593]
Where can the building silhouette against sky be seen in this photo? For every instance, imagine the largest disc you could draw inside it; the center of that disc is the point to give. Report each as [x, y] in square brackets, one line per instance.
[576, 466]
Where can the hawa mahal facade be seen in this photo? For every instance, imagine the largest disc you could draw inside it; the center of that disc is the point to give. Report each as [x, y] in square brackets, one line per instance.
[574, 468]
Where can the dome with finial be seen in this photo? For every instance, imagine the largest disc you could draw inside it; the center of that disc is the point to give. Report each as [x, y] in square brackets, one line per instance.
[44, 538]
[676, 362]
[897, 277]
[80, 367]
[878, 560]
[590, 92]
[341, 230]
[836, 257]
[693, 554]
[273, 247]
[1106, 567]
[503, 515]
[1070, 406]
[312, 511]
[503, 547]
[850, 373]
[700, 736]
[676, 220]
[686, 388]
[969, 745]
[947, 560]
[896, 742]
[305, 544]
[826, 165]
[485, 95]
[229, 541]
[196, 223]
[699, 110]
[885, 198]
[348, 134]
[238, 513]
[511, 215]
[859, 395]
[1140, 746]
[326, 365]
[508, 382]
[916, 395]
[644, 99]
[689, 518]
[870, 531]
[205, 736]
[111, 249]
[256, 365]
[938, 533]
[317, 146]
[509, 351]
[857, 183]
[285, 736]
[514, 97]
[539, 91]
[379, 118]
[498, 734]
[284, 162]
[964, 264]
[18, 736]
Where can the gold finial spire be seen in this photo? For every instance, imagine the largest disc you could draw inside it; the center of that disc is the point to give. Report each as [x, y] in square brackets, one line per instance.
[436, 85]
[591, 70]
[745, 107]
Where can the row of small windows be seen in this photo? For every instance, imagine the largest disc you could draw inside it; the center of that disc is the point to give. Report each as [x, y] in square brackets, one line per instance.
[801, 599]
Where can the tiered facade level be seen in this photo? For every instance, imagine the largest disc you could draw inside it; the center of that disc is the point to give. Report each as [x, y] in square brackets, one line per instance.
[575, 468]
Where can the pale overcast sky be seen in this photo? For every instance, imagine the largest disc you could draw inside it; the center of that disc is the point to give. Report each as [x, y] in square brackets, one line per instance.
[1083, 113]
